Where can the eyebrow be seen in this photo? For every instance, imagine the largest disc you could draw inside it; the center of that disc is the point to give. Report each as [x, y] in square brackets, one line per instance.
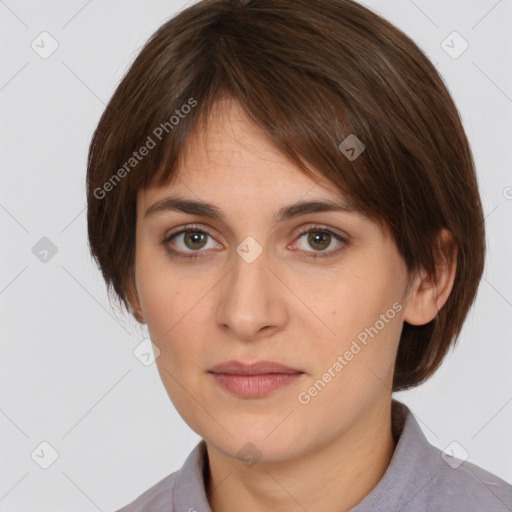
[204, 209]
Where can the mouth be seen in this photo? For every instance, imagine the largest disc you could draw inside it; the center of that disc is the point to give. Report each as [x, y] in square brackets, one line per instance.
[254, 380]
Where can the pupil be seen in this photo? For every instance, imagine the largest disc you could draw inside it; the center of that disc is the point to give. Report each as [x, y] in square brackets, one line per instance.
[195, 237]
[318, 236]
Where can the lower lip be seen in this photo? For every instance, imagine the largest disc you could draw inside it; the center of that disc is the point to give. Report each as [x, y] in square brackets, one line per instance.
[255, 386]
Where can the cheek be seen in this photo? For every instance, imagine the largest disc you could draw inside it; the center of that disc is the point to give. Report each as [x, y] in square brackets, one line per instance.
[363, 320]
[170, 313]
[174, 318]
[160, 290]
[174, 311]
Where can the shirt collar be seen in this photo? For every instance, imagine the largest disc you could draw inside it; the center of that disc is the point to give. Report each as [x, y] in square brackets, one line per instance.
[394, 489]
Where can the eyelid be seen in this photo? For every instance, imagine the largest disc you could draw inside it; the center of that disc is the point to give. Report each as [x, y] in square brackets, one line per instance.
[321, 227]
[187, 227]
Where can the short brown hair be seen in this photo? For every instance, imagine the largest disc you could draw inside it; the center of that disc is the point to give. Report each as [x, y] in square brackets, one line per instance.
[309, 74]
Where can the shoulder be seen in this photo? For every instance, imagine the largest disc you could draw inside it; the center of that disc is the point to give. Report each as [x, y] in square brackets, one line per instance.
[422, 478]
[458, 485]
[158, 497]
[440, 481]
[179, 490]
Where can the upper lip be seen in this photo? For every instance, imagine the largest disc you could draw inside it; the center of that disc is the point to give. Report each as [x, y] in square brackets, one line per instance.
[257, 368]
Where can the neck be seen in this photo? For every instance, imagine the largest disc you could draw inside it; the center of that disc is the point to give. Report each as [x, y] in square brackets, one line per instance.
[334, 476]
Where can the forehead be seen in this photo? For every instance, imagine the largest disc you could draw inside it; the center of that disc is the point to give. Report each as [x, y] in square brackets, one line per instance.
[230, 155]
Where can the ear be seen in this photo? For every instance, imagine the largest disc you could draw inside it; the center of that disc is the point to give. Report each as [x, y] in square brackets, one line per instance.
[428, 294]
[133, 300]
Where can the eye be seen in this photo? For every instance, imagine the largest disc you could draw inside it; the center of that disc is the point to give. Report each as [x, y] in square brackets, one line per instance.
[320, 239]
[189, 240]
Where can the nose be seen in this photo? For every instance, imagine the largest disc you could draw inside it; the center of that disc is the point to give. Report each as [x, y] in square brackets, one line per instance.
[252, 300]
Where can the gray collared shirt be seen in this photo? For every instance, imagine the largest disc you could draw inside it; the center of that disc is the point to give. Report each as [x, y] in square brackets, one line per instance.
[419, 478]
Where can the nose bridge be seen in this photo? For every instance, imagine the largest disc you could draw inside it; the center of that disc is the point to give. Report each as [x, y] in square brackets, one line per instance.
[250, 301]
[250, 265]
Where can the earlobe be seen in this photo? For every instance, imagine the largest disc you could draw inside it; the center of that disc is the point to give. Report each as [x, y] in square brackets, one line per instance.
[137, 313]
[428, 293]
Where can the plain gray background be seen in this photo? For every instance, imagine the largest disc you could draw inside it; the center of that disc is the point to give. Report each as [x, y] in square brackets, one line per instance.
[68, 371]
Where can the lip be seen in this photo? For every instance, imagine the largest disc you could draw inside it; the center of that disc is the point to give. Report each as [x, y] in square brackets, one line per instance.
[257, 368]
[254, 380]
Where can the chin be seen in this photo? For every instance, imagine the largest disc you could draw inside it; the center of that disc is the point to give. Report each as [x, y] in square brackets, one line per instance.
[256, 452]
[253, 444]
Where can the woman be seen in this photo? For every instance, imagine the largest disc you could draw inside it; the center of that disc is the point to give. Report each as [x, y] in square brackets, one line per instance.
[284, 193]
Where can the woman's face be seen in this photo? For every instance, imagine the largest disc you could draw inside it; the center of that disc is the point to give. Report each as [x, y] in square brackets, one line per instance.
[245, 286]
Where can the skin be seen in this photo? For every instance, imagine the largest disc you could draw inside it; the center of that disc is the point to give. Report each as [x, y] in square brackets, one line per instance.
[325, 455]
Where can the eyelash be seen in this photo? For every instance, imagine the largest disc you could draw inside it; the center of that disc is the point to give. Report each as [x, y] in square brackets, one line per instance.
[302, 231]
